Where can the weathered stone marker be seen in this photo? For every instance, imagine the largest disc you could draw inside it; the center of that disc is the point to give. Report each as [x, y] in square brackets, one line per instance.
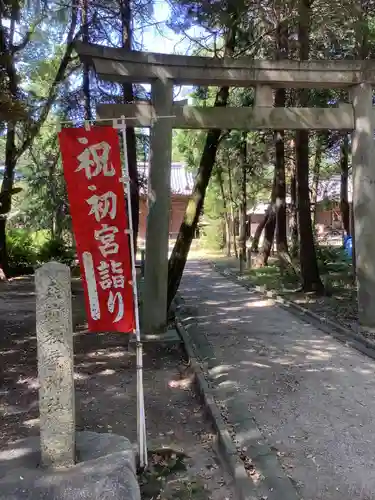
[55, 365]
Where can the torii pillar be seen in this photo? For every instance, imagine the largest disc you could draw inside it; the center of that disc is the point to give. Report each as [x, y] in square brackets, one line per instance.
[363, 161]
[154, 308]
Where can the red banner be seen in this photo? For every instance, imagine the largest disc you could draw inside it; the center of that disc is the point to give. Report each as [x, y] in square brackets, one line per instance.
[92, 169]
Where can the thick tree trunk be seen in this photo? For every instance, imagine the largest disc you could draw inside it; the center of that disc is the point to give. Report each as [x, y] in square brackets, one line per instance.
[86, 67]
[293, 219]
[4, 271]
[316, 173]
[259, 231]
[282, 49]
[228, 239]
[269, 234]
[232, 213]
[131, 140]
[243, 199]
[6, 193]
[269, 228]
[344, 166]
[185, 236]
[228, 236]
[309, 268]
[280, 195]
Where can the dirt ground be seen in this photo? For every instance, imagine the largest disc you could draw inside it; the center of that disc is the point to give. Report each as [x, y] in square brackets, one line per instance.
[106, 391]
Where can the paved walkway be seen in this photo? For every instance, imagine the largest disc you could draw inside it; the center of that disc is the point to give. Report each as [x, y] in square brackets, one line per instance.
[312, 397]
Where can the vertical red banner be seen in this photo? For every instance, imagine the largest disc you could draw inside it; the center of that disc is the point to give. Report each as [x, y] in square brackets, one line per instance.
[92, 170]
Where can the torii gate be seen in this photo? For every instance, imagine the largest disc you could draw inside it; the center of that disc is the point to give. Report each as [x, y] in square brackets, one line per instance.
[162, 71]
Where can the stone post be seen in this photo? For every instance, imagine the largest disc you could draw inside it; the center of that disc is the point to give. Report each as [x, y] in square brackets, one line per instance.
[156, 266]
[364, 201]
[55, 365]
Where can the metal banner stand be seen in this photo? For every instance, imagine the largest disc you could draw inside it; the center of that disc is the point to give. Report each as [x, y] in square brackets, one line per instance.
[141, 417]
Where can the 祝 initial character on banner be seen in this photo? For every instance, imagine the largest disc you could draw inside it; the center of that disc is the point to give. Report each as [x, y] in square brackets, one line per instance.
[94, 159]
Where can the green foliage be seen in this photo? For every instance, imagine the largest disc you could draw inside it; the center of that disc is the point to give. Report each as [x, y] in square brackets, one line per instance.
[56, 249]
[21, 251]
[212, 234]
[28, 249]
[330, 255]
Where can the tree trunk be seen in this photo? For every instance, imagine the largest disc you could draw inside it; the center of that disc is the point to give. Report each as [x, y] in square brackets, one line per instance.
[259, 231]
[243, 199]
[232, 213]
[282, 49]
[293, 219]
[228, 238]
[131, 140]
[344, 165]
[86, 67]
[4, 271]
[280, 193]
[185, 236]
[269, 228]
[269, 234]
[10, 143]
[316, 173]
[309, 268]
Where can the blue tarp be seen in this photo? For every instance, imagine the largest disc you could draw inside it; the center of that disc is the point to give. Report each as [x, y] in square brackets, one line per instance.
[348, 246]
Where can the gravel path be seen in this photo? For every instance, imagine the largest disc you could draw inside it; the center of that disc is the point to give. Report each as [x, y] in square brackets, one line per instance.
[312, 398]
[105, 382]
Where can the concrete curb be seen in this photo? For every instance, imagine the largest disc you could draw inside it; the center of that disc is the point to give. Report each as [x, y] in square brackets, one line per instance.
[243, 486]
[275, 485]
[340, 333]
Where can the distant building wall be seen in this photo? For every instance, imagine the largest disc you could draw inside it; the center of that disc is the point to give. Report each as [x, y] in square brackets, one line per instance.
[177, 212]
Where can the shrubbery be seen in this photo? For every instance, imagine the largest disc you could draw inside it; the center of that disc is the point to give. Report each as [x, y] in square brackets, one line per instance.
[213, 235]
[25, 251]
[56, 250]
[22, 253]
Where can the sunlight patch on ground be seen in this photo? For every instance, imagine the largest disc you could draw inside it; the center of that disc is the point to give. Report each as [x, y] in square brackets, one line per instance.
[254, 363]
[317, 355]
[213, 302]
[32, 383]
[32, 422]
[14, 453]
[259, 303]
[220, 369]
[105, 353]
[107, 371]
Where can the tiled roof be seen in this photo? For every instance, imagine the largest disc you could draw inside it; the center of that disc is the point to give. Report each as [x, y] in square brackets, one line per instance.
[328, 189]
[182, 181]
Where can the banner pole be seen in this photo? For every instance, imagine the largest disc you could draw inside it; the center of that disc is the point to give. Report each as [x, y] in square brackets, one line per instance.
[141, 418]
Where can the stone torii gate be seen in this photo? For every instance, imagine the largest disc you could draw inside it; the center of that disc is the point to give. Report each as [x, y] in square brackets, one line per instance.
[162, 71]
